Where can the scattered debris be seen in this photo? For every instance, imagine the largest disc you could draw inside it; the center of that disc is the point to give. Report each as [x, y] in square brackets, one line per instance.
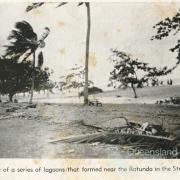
[121, 139]
[144, 135]
[14, 115]
[31, 106]
[133, 128]
[12, 109]
[171, 100]
[92, 126]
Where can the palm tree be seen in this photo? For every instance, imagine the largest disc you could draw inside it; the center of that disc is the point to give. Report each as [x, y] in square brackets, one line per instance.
[23, 43]
[87, 4]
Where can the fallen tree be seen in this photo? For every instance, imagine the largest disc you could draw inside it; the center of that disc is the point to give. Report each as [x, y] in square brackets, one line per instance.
[149, 136]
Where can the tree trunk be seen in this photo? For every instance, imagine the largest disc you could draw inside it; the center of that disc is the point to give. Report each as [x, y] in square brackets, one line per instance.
[11, 97]
[134, 90]
[33, 78]
[87, 53]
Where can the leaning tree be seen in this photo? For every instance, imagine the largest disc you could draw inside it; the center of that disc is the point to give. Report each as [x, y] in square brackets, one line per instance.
[24, 43]
[130, 72]
[87, 4]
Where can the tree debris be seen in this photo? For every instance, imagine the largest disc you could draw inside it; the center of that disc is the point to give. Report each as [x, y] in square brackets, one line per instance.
[132, 134]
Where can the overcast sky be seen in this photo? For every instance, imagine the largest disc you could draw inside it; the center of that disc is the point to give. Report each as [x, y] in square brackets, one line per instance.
[126, 26]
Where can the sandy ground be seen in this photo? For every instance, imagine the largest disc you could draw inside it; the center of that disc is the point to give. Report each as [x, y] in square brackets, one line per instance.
[147, 95]
[31, 133]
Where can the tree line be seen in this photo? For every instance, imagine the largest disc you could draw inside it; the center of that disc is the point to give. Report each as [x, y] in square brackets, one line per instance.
[19, 72]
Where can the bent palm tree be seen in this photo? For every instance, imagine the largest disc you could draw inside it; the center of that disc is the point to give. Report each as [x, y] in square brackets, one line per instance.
[24, 42]
[87, 4]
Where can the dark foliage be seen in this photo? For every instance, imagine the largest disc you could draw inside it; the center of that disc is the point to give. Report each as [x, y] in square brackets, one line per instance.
[16, 77]
[130, 72]
[34, 6]
[166, 27]
[23, 40]
[40, 59]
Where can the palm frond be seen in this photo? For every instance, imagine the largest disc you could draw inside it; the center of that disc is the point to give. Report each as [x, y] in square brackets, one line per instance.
[26, 55]
[81, 3]
[26, 30]
[45, 34]
[14, 52]
[34, 6]
[61, 4]
[16, 35]
[119, 138]
[22, 39]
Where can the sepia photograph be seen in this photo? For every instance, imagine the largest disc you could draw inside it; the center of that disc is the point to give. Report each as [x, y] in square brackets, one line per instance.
[90, 80]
